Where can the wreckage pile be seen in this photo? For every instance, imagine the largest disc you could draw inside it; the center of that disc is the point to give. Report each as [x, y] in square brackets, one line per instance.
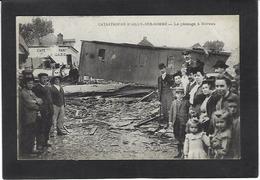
[115, 113]
[112, 127]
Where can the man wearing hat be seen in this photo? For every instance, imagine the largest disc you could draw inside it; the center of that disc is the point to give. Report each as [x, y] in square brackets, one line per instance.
[44, 123]
[29, 107]
[187, 59]
[165, 81]
[189, 62]
[58, 100]
[220, 67]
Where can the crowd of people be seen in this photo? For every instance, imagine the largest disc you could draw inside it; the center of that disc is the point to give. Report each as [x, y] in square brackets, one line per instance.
[41, 113]
[203, 111]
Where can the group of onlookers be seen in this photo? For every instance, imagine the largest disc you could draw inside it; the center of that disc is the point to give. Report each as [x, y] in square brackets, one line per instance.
[41, 112]
[203, 111]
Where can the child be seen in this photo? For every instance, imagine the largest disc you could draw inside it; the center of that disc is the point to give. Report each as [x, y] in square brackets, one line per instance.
[221, 138]
[233, 109]
[195, 141]
[178, 117]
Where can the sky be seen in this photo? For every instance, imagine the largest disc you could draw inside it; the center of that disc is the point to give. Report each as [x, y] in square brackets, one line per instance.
[171, 31]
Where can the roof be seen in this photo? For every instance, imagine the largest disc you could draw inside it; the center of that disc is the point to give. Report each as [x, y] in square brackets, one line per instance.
[134, 45]
[197, 46]
[158, 47]
[49, 58]
[69, 40]
[145, 42]
[71, 47]
[48, 40]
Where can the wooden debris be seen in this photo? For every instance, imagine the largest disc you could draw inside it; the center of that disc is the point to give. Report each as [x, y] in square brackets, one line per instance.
[147, 121]
[146, 96]
[93, 130]
[124, 123]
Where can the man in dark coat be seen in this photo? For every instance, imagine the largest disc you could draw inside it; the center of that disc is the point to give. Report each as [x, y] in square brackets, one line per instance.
[29, 109]
[58, 101]
[44, 123]
[189, 62]
[220, 67]
[165, 81]
[74, 74]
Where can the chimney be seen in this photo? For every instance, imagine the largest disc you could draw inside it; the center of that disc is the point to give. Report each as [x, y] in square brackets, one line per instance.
[145, 38]
[60, 39]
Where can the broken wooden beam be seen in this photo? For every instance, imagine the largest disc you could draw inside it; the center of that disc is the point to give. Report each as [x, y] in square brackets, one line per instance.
[146, 96]
[147, 121]
[93, 130]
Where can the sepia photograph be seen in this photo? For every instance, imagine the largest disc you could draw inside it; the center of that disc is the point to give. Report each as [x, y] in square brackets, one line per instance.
[164, 87]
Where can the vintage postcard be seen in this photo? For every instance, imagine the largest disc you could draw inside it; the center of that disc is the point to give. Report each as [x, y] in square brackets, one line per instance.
[128, 87]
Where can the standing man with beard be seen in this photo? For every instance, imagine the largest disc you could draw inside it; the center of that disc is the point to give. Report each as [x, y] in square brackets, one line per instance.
[44, 123]
[223, 85]
[165, 81]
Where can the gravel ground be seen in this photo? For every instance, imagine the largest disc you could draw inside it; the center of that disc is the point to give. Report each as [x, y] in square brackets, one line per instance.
[104, 129]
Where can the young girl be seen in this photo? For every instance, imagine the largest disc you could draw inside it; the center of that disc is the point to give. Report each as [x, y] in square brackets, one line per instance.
[221, 138]
[195, 141]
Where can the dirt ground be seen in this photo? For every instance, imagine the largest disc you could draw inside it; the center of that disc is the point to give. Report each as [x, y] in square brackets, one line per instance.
[104, 129]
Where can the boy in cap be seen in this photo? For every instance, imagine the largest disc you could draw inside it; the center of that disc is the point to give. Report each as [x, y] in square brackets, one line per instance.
[165, 81]
[44, 123]
[179, 113]
[58, 100]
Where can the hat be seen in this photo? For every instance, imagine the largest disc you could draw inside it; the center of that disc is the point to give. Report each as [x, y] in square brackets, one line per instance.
[220, 64]
[178, 73]
[42, 74]
[210, 81]
[53, 78]
[161, 66]
[185, 52]
[27, 79]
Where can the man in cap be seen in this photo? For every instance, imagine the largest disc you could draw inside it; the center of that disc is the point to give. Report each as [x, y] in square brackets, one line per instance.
[58, 100]
[44, 123]
[187, 59]
[190, 62]
[220, 68]
[165, 81]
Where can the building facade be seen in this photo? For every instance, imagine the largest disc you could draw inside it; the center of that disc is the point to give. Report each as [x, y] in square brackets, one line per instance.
[60, 54]
[61, 50]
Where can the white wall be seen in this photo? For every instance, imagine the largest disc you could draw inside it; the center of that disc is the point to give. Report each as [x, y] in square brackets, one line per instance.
[59, 54]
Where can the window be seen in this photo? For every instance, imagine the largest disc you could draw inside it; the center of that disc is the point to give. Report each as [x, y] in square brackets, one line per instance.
[101, 54]
[170, 62]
